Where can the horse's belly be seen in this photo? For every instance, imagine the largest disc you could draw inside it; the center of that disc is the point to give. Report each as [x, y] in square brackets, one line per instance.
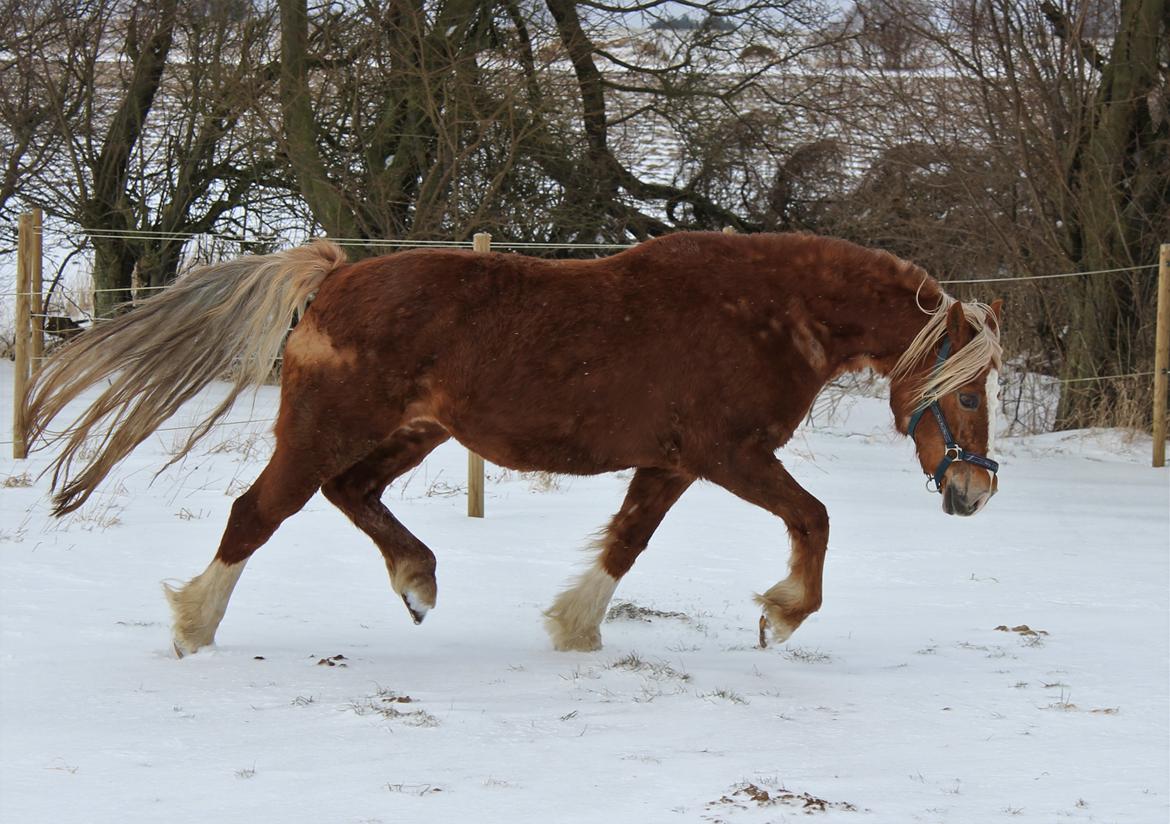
[578, 452]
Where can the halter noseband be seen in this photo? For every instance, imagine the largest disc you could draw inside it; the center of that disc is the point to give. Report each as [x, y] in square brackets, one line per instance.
[954, 452]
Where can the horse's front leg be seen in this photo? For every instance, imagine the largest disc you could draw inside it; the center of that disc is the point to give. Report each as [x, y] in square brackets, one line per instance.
[754, 474]
[574, 619]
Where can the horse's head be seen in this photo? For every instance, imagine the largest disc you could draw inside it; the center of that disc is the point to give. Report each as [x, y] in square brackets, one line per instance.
[945, 393]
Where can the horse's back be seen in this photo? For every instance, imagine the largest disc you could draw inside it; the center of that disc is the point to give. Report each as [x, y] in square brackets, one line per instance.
[584, 365]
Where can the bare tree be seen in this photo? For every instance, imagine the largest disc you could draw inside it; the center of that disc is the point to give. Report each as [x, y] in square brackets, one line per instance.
[145, 138]
[402, 120]
[1043, 147]
[26, 121]
[475, 113]
[697, 87]
[1117, 182]
[890, 35]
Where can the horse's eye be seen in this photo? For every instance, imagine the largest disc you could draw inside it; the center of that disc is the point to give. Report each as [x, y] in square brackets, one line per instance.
[968, 400]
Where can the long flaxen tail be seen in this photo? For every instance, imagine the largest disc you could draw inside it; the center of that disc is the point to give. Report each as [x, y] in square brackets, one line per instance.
[224, 318]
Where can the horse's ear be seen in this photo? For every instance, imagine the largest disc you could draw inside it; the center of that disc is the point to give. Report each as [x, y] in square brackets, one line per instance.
[957, 327]
[997, 312]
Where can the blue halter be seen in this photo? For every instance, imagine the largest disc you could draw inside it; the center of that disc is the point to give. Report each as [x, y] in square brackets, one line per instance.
[954, 452]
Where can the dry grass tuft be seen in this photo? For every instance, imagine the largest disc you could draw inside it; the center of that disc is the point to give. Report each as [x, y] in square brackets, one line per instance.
[542, 481]
[439, 488]
[386, 703]
[805, 655]
[658, 670]
[1126, 405]
[414, 789]
[726, 695]
[629, 611]
[250, 447]
[747, 794]
[18, 534]
[98, 516]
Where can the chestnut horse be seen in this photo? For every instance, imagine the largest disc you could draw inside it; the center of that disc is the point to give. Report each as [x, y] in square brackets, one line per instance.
[693, 356]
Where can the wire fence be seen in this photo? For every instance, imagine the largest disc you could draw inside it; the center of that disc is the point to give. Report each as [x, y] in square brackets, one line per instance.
[391, 243]
[219, 425]
[519, 246]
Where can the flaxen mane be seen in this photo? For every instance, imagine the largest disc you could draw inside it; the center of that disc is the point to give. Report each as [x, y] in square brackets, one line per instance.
[963, 366]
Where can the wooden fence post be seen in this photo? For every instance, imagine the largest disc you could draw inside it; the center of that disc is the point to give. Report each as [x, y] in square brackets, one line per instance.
[1161, 355]
[475, 471]
[36, 350]
[25, 251]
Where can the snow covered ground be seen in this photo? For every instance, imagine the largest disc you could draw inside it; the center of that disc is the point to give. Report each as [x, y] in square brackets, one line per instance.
[900, 701]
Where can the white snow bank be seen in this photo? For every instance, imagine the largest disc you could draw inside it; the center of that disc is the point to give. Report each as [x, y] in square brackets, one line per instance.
[900, 701]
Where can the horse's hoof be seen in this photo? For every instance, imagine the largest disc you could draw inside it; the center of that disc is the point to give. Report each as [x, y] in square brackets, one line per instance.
[415, 606]
[777, 624]
[185, 647]
[588, 642]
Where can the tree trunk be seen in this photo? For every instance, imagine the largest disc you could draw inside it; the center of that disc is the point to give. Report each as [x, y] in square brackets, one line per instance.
[106, 208]
[1124, 154]
[113, 267]
[328, 206]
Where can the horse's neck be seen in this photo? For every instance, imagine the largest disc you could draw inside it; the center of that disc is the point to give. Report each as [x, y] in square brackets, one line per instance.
[877, 336]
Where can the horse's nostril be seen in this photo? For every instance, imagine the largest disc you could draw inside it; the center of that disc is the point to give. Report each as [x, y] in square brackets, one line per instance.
[956, 502]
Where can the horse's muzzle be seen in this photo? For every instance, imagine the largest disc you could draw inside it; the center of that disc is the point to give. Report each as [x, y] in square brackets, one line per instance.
[961, 497]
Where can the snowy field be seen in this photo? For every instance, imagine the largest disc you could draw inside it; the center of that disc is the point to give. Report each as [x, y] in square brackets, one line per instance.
[900, 701]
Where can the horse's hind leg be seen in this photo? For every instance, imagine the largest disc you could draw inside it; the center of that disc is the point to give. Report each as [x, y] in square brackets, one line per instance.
[759, 478]
[307, 453]
[358, 493]
[574, 619]
[281, 490]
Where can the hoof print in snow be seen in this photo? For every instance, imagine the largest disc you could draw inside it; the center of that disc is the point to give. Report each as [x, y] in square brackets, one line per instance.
[335, 661]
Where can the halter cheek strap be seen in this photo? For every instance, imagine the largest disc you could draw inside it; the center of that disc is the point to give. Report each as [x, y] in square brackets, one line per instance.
[954, 452]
